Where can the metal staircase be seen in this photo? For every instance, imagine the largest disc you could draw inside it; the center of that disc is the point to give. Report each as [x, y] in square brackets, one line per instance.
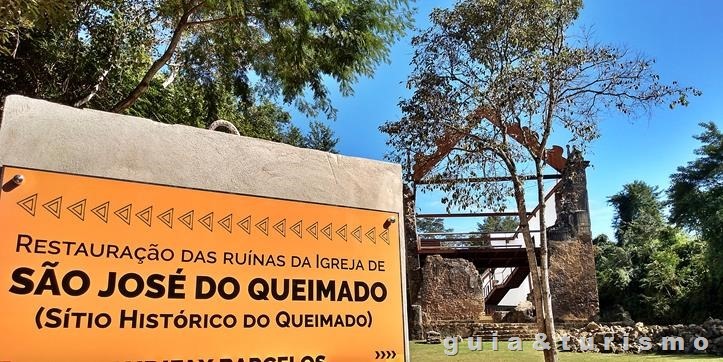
[495, 291]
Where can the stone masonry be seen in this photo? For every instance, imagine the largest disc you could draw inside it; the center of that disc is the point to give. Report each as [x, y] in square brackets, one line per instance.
[444, 289]
[573, 284]
[451, 290]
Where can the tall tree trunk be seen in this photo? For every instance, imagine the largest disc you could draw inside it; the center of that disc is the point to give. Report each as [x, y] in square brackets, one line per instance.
[539, 157]
[550, 355]
[133, 96]
[519, 192]
[94, 90]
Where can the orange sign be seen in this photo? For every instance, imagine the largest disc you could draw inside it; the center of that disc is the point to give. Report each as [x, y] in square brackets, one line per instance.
[96, 269]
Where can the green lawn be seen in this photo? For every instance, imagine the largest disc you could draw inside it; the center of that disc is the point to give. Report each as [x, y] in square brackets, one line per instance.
[435, 352]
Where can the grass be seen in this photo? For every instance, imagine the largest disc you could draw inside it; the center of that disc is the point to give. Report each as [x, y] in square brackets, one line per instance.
[435, 352]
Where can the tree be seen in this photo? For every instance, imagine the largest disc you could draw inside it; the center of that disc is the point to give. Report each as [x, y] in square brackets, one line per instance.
[696, 193]
[19, 17]
[637, 212]
[614, 271]
[92, 53]
[291, 46]
[672, 276]
[290, 134]
[76, 53]
[321, 137]
[489, 81]
[432, 225]
[638, 224]
[696, 200]
[654, 270]
[497, 224]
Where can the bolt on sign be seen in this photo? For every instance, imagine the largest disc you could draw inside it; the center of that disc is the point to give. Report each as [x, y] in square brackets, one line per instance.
[97, 269]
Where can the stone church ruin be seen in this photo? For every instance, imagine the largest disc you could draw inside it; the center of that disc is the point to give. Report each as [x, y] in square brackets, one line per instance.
[464, 283]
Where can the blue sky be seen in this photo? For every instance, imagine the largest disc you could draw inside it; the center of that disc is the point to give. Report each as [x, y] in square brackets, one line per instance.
[684, 37]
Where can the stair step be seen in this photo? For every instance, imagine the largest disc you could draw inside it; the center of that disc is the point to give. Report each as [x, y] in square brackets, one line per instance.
[513, 280]
[505, 331]
[512, 328]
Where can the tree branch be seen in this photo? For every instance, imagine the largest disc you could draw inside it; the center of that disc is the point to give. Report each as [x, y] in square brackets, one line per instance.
[95, 88]
[214, 21]
[171, 77]
[194, 8]
[17, 42]
[133, 96]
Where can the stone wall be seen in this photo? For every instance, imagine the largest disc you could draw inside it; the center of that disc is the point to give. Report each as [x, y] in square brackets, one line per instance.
[711, 330]
[414, 271]
[572, 280]
[466, 329]
[503, 331]
[451, 289]
[573, 284]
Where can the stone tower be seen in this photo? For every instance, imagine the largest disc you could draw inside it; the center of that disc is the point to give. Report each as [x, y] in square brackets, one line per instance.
[573, 284]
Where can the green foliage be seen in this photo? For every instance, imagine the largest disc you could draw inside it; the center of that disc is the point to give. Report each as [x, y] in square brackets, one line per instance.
[292, 135]
[64, 57]
[432, 225]
[199, 105]
[286, 49]
[696, 193]
[517, 64]
[655, 281]
[19, 17]
[294, 46]
[672, 275]
[321, 137]
[638, 213]
[696, 200]
[614, 270]
[655, 270]
[498, 224]
[195, 61]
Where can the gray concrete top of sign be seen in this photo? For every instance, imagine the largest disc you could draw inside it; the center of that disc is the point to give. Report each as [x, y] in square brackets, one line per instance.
[43, 135]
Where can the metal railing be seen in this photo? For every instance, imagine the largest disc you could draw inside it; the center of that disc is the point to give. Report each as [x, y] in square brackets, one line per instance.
[490, 280]
[468, 240]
